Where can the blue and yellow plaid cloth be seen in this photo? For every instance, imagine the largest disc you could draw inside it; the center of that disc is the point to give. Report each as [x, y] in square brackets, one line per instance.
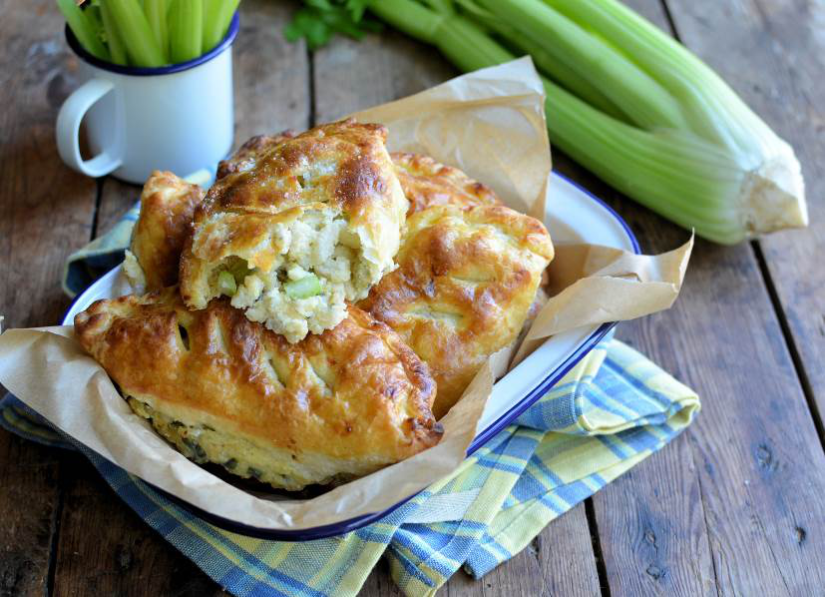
[609, 413]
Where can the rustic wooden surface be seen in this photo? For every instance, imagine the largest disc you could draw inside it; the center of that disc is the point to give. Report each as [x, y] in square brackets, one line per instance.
[736, 505]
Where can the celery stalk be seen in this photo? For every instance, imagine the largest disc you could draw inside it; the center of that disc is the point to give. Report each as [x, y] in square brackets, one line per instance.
[156, 14]
[714, 111]
[135, 32]
[186, 30]
[83, 29]
[410, 17]
[92, 12]
[569, 77]
[635, 92]
[116, 49]
[697, 154]
[217, 14]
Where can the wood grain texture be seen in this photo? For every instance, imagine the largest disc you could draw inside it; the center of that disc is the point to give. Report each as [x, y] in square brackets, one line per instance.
[772, 52]
[650, 523]
[657, 545]
[735, 506]
[350, 76]
[754, 448]
[106, 549]
[559, 561]
[661, 497]
[763, 502]
[123, 556]
[45, 213]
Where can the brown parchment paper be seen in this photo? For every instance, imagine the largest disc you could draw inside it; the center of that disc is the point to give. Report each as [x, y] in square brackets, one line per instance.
[490, 124]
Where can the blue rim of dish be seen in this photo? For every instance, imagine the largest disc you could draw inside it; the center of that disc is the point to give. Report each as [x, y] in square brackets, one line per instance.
[357, 522]
[142, 71]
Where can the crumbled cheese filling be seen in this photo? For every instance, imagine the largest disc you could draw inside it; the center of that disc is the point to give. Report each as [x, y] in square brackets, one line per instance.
[317, 244]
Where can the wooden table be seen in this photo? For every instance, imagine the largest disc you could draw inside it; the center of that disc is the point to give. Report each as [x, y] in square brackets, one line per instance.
[736, 505]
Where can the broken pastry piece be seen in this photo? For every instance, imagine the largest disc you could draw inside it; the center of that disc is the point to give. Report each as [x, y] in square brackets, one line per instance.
[167, 208]
[304, 225]
[226, 390]
[463, 289]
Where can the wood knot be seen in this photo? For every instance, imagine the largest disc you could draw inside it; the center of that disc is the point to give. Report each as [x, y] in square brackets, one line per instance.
[765, 458]
[123, 557]
[12, 571]
[654, 572]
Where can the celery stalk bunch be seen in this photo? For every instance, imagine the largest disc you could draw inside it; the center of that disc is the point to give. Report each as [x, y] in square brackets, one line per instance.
[148, 33]
[625, 100]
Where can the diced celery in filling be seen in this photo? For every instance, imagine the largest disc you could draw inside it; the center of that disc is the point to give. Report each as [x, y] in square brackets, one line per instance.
[307, 287]
[227, 284]
[304, 287]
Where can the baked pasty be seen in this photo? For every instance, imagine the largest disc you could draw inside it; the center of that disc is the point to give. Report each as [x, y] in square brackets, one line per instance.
[315, 221]
[226, 390]
[465, 282]
[246, 157]
[427, 183]
[167, 207]
[424, 181]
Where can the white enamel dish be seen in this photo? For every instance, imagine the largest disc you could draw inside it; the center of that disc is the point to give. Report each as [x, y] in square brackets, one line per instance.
[574, 216]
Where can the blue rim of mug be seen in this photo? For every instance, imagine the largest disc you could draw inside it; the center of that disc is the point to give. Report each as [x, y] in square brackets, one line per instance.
[142, 71]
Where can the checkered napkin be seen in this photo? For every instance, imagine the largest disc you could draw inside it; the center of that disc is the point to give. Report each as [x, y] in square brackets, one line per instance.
[611, 411]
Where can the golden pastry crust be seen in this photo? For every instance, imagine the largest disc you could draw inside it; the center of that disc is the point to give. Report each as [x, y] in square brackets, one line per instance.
[167, 208]
[327, 201]
[246, 158]
[341, 164]
[465, 282]
[336, 405]
[172, 201]
[427, 183]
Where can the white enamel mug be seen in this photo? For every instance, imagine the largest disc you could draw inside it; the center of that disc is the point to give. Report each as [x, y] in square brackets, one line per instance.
[178, 117]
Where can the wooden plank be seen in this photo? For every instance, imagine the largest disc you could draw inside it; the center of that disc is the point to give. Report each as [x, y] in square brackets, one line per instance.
[106, 549]
[124, 556]
[754, 447]
[351, 76]
[29, 502]
[46, 212]
[759, 461]
[773, 54]
[652, 529]
[650, 523]
[559, 561]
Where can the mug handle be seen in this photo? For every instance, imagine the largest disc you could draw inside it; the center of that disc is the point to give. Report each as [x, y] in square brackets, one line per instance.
[68, 130]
